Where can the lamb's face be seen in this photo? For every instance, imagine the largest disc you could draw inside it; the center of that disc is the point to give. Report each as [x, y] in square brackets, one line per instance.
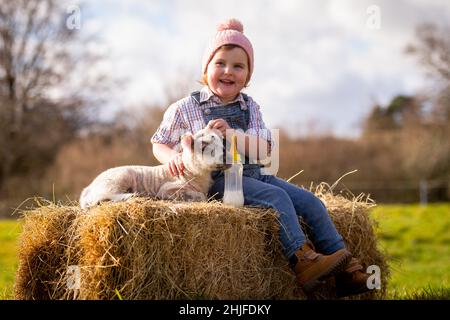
[208, 150]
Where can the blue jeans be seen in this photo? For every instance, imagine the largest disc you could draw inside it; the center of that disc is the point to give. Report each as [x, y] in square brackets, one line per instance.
[290, 202]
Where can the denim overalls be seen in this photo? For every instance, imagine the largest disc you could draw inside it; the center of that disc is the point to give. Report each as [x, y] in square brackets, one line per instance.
[271, 192]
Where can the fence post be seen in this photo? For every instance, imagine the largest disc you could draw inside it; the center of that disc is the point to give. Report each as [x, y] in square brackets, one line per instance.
[423, 189]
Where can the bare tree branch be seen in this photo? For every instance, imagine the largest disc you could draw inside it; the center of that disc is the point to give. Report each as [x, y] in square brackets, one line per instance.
[39, 57]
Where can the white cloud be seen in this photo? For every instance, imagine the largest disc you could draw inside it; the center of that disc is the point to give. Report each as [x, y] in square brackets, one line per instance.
[313, 59]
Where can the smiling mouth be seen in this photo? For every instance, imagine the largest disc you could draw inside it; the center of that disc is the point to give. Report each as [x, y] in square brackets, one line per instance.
[227, 82]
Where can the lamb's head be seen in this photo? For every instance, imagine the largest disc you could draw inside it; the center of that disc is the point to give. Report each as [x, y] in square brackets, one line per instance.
[204, 151]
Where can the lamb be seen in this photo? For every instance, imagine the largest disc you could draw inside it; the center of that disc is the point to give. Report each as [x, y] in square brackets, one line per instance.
[201, 154]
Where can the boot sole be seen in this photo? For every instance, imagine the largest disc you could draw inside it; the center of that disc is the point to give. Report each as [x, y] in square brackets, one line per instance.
[337, 267]
[348, 292]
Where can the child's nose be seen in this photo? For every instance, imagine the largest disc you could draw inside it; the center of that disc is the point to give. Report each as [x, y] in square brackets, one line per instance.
[227, 69]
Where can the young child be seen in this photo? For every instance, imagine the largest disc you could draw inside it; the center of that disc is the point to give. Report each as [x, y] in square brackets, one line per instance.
[227, 67]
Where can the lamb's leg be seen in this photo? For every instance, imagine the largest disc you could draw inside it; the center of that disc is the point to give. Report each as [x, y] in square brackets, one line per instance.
[169, 191]
[95, 199]
[193, 196]
[121, 197]
[173, 191]
[84, 200]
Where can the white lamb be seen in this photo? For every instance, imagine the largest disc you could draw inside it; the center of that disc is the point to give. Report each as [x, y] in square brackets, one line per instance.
[201, 154]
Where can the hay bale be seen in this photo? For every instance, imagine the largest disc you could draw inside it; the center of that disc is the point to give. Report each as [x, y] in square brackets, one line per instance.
[163, 250]
[42, 252]
[353, 221]
[146, 249]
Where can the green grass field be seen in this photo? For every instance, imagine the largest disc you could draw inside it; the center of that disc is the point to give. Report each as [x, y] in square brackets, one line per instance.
[9, 232]
[416, 240]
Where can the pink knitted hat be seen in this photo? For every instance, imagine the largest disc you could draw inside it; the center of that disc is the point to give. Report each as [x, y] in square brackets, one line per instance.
[229, 32]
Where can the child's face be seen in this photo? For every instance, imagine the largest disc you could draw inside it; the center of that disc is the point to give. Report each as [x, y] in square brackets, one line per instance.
[227, 73]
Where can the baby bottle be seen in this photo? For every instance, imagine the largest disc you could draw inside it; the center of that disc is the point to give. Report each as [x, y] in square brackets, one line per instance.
[233, 194]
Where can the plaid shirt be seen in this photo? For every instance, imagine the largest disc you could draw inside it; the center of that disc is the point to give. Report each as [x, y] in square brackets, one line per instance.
[186, 115]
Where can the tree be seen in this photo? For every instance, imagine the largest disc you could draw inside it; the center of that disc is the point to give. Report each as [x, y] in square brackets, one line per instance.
[46, 81]
[432, 48]
[402, 111]
[415, 130]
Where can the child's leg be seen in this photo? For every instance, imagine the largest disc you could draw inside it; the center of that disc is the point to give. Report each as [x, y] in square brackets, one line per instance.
[308, 265]
[325, 236]
[323, 231]
[260, 194]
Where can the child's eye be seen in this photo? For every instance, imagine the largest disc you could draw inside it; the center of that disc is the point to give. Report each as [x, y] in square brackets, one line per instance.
[239, 66]
[219, 63]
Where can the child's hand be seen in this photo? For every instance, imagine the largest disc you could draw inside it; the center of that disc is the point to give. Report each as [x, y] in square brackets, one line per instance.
[176, 165]
[220, 125]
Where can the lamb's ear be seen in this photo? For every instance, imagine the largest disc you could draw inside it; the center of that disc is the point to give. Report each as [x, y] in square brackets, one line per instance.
[187, 141]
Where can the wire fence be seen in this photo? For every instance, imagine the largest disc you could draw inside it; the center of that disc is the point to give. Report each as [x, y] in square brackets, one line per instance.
[401, 191]
[422, 191]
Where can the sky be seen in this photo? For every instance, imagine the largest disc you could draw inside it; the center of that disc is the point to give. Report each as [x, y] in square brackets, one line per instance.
[319, 65]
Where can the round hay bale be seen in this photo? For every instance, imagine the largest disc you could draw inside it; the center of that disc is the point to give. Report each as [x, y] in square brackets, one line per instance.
[148, 249]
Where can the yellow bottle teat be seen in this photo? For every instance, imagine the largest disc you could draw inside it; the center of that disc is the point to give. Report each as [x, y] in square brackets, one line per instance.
[233, 150]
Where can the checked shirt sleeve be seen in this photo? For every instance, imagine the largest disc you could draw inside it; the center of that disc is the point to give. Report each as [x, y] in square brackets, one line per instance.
[171, 128]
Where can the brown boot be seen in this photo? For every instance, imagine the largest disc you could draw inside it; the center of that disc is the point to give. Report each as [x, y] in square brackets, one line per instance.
[352, 281]
[311, 267]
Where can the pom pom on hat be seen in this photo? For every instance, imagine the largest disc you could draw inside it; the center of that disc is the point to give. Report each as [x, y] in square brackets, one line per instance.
[231, 24]
[230, 31]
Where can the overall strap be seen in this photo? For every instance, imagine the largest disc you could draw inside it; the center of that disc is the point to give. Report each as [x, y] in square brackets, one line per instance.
[196, 96]
[245, 96]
